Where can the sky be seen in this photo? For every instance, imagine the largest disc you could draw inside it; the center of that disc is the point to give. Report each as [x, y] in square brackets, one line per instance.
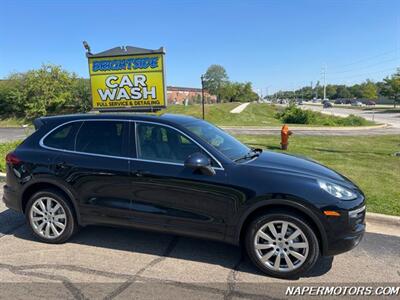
[276, 45]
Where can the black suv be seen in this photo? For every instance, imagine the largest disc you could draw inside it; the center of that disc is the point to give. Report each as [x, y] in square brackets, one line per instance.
[181, 175]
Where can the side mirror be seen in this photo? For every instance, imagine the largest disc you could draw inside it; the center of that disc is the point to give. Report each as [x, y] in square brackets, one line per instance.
[199, 162]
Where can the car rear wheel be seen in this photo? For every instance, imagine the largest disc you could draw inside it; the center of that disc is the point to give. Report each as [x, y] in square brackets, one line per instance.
[282, 245]
[50, 217]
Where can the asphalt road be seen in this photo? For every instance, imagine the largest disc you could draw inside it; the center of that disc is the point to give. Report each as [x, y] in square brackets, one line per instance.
[12, 134]
[107, 263]
[378, 116]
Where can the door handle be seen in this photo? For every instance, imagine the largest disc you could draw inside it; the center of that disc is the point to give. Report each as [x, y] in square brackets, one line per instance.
[140, 173]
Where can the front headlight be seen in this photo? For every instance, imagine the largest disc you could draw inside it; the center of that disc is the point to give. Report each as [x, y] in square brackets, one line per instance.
[337, 190]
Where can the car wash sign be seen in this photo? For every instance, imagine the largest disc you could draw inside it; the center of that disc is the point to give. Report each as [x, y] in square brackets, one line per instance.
[127, 78]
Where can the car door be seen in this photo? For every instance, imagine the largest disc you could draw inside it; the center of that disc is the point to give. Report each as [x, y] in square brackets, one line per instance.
[169, 196]
[97, 169]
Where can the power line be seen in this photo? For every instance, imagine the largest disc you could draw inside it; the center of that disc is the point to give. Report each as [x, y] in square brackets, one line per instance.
[365, 74]
[366, 59]
[367, 66]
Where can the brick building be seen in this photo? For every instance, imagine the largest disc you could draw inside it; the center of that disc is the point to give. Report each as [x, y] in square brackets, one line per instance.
[178, 95]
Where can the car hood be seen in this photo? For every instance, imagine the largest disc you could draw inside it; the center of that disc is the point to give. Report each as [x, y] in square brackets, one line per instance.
[296, 165]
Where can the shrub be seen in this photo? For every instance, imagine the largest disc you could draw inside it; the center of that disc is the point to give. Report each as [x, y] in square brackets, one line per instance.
[4, 149]
[45, 91]
[295, 115]
[353, 120]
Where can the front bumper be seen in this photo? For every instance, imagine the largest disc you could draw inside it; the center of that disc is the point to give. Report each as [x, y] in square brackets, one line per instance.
[349, 234]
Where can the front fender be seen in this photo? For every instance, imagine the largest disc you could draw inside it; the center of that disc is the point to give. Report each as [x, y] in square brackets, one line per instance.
[287, 201]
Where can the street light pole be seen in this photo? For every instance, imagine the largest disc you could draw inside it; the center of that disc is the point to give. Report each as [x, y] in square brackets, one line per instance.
[202, 93]
[324, 72]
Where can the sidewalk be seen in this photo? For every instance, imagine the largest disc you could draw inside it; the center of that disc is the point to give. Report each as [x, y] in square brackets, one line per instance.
[240, 108]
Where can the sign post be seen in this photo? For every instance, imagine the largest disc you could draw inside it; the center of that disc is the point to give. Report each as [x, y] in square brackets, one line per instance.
[127, 79]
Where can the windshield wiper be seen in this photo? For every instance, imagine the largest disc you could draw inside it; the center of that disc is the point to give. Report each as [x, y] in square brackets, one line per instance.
[254, 152]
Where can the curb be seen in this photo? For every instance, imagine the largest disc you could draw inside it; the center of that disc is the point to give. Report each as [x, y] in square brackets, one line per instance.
[383, 219]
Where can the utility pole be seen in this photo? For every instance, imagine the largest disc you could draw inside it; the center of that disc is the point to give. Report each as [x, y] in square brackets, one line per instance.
[202, 93]
[324, 74]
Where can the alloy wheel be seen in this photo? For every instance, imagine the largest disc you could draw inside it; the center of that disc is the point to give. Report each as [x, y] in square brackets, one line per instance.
[281, 246]
[48, 217]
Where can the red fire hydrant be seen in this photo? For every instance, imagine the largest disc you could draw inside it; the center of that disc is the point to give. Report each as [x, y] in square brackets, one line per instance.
[285, 133]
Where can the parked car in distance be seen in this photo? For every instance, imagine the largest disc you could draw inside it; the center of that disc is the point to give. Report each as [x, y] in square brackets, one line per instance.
[327, 104]
[357, 103]
[347, 101]
[338, 101]
[370, 103]
[184, 176]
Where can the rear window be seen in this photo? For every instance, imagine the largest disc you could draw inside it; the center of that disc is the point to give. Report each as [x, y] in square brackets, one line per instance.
[101, 137]
[63, 137]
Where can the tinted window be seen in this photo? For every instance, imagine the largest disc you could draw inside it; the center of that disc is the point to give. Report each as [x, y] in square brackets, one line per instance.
[157, 142]
[63, 137]
[101, 137]
[218, 138]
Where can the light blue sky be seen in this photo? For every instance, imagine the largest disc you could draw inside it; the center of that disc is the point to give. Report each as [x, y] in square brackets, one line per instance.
[276, 44]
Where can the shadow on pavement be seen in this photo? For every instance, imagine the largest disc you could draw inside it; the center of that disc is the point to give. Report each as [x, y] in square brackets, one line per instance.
[191, 249]
[9, 221]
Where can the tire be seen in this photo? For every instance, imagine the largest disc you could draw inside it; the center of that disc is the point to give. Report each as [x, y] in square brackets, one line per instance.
[260, 247]
[46, 224]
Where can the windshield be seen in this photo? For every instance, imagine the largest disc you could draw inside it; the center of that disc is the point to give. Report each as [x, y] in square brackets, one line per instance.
[219, 139]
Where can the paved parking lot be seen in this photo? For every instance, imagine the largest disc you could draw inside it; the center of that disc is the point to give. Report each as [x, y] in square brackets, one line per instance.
[106, 263]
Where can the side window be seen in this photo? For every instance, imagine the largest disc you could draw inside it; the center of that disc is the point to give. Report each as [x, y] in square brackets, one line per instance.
[161, 143]
[63, 137]
[101, 137]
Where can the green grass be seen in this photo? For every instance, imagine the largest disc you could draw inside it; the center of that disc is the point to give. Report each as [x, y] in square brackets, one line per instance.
[257, 114]
[219, 114]
[12, 122]
[4, 149]
[368, 161]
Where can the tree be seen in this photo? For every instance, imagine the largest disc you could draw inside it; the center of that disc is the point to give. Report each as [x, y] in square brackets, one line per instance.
[356, 91]
[342, 92]
[391, 87]
[214, 79]
[12, 96]
[331, 91]
[305, 93]
[48, 90]
[369, 90]
[238, 92]
[81, 95]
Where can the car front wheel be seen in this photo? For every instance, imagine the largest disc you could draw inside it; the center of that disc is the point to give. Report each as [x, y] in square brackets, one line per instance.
[282, 245]
[50, 217]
